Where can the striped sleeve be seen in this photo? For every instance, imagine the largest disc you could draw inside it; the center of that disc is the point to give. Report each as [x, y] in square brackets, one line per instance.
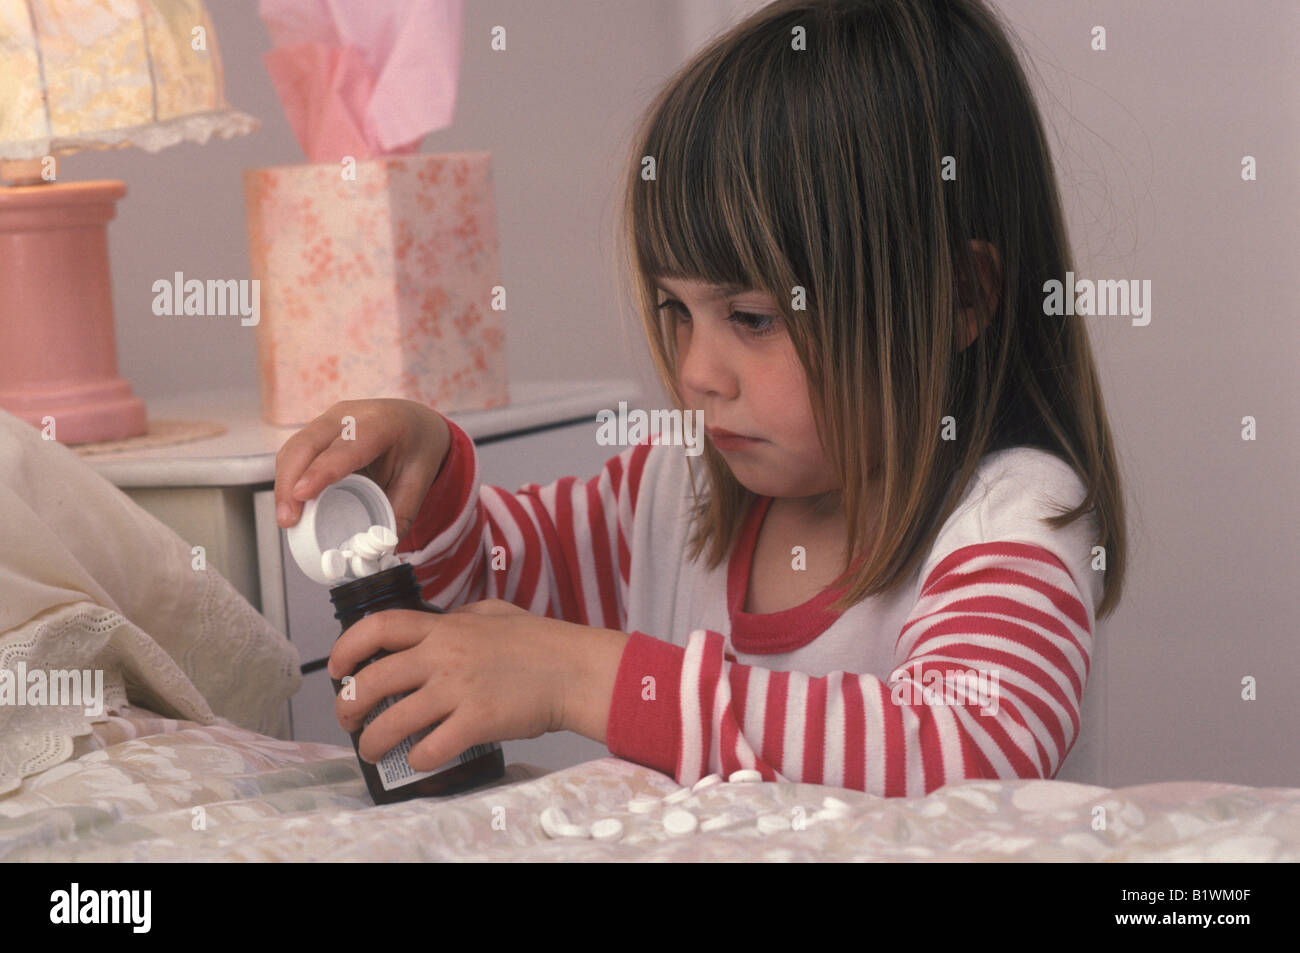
[990, 668]
[559, 550]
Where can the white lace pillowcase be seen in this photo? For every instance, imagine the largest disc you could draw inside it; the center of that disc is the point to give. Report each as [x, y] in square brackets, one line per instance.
[97, 595]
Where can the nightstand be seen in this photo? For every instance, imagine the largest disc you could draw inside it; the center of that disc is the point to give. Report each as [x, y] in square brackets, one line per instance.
[218, 493]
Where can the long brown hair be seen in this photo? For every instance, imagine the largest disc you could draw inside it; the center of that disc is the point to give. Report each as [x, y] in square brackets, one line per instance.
[819, 168]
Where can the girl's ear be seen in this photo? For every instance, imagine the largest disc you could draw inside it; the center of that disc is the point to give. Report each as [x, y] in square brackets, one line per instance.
[989, 264]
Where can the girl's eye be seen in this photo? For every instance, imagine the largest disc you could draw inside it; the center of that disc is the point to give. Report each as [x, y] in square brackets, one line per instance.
[758, 325]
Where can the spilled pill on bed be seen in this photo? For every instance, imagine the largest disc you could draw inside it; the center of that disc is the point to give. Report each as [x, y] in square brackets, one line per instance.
[716, 823]
[607, 829]
[773, 823]
[706, 782]
[642, 804]
[680, 821]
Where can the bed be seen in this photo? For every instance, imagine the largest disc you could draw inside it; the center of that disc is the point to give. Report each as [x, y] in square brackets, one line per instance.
[142, 787]
[188, 758]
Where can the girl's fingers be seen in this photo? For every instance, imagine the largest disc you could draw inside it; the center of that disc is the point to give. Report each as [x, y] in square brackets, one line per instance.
[393, 631]
[390, 675]
[416, 711]
[407, 493]
[294, 457]
[458, 730]
[491, 607]
[333, 464]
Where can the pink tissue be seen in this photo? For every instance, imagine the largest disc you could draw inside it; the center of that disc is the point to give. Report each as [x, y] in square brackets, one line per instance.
[364, 79]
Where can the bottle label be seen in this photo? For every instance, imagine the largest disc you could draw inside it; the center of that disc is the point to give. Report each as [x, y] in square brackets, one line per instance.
[393, 768]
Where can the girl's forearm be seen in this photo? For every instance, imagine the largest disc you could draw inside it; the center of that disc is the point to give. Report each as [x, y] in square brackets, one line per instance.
[594, 660]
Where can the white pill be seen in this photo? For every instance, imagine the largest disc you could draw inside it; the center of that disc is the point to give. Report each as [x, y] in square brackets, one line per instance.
[707, 782]
[388, 561]
[825, 815]
[361, 566]
[713, 823]
[642, 804]
[553, 820]
[363, 545]
[680, 821]
[836, 805]
[773, 823]
[549, 822]
[610, 828]
[744, 776]
[333, 565]
[383, 537]
[678, 796]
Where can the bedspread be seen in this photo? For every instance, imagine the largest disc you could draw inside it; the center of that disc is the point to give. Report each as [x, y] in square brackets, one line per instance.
[142, 787]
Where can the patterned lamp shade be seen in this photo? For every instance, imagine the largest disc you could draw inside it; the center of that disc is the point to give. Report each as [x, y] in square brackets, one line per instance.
[99, 74]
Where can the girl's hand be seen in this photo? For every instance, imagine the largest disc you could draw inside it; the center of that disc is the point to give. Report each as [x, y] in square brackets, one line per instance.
[399, 444]
[491, 669]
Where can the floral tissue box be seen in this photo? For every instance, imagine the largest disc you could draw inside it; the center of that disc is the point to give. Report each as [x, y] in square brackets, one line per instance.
[376, 280]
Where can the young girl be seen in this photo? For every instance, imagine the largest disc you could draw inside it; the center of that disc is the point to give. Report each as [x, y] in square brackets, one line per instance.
[840, 216]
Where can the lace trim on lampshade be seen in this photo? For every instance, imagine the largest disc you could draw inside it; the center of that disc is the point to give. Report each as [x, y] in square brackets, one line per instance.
[151, 137]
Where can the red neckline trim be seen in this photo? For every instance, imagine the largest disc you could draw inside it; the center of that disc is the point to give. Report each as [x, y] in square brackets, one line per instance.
[773, 632]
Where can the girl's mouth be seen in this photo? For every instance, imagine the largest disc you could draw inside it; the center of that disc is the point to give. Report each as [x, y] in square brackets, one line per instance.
[726, 440]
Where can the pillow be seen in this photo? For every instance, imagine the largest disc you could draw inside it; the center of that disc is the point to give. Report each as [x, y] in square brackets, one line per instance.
[92, 584]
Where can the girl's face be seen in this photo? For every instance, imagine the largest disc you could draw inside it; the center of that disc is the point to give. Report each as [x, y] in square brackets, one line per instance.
[737, 365]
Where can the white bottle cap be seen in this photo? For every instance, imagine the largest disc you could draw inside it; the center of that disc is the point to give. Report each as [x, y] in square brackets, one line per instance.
[339, 512]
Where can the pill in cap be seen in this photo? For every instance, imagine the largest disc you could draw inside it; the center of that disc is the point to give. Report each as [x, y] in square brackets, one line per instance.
[339, 512]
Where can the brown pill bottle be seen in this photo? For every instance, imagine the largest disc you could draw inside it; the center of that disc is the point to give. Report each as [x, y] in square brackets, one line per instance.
[393, 779]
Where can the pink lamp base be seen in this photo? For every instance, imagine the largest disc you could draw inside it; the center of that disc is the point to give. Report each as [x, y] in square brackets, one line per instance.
[58, 352]
[89, 413]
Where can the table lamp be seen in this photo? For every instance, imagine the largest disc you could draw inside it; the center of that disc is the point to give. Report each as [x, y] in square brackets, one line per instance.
[74, 75]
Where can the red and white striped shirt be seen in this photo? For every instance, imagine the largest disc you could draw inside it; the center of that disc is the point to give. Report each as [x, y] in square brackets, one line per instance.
[870, 699]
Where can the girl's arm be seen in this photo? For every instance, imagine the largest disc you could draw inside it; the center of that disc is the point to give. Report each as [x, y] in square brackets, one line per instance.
[1009, 610]
[558, 550]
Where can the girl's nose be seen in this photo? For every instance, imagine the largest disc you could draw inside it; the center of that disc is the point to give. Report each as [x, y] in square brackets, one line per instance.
[702, 362]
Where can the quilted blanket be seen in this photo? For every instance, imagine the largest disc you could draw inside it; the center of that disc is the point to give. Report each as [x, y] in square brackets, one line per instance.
[142, 787]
